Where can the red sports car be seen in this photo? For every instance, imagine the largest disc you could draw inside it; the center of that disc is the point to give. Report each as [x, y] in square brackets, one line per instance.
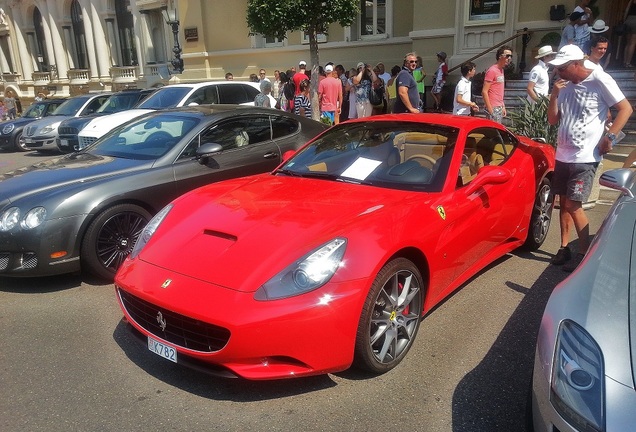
[334, 258]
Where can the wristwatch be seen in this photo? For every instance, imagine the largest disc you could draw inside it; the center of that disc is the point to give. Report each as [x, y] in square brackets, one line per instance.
[612, 137]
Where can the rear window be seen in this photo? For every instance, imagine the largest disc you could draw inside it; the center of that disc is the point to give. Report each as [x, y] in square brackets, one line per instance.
[166, 97]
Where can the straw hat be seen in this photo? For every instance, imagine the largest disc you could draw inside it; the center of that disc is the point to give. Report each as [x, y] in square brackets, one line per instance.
[544, 51]
[599, 27]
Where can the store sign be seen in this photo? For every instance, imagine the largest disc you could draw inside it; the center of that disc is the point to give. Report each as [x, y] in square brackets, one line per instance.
[486, 12]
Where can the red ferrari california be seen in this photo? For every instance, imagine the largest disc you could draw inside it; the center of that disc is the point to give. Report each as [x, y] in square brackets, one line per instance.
[333, 259]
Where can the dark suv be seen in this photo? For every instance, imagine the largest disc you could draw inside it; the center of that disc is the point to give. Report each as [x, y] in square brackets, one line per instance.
[11, 130]
[67, 132]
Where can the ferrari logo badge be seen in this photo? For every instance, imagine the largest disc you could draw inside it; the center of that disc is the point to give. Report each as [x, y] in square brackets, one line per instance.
[442, 212]
[166, 284]
[161, 321]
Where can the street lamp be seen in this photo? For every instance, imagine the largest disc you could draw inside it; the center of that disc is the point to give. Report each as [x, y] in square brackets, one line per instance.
[172, 19]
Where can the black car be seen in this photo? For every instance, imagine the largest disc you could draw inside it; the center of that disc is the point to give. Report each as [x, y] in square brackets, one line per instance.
[85, 210]
[11, 130]
[67, 131]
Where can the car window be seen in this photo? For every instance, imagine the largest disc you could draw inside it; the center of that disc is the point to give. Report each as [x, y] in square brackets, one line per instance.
[396, 155]
[119, 102]
[236, 133]
[236, 93]
[204, 95]
[50, 108]
[95, 104]
[165, 97]
[71, 106]
[148, 138]
[283, 126]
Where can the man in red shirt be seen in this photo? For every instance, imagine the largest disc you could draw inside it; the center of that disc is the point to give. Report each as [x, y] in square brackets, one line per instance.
[493, 89]
[330, 96]
[300, 75]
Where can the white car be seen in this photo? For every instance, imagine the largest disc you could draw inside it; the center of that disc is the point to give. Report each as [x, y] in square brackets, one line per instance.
[171, 96]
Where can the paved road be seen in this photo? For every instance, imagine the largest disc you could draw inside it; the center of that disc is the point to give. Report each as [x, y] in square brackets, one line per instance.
[67, 363]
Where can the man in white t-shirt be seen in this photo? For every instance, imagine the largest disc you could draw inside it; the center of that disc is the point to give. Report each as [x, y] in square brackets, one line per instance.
[462, 103]
[539, 82]
[580, 102]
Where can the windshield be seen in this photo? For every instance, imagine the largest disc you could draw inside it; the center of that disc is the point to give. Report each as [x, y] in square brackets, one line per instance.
[148, 138]
[166, 97]
[119, 102]
[35, 110]
[399, 155]
[71, 106]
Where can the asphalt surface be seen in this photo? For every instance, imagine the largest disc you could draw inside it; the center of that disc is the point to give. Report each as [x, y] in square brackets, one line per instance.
[68, 363]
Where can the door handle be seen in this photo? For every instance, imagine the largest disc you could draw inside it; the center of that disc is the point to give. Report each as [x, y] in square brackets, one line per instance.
[270, 155]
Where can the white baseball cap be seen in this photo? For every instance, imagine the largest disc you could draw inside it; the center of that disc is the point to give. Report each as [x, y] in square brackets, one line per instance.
[329, 68]
[566, 54]
[302, 63]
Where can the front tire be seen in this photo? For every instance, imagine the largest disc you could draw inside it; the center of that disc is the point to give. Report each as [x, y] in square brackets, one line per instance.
[390, 317]
[19, 144]
[111, 237]
[541, 216]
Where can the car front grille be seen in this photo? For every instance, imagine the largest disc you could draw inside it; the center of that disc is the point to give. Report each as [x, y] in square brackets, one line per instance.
[4, 261]
[177, 329]
[18, 261]
[29, 130]
[66, 130]
[85, 141]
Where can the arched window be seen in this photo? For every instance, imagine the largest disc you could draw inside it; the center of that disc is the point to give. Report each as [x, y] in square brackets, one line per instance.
[40, 54]
[79, 36]
[126, 33]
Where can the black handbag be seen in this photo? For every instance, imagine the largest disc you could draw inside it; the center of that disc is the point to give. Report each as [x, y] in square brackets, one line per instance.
[376, 95]
[557, 12]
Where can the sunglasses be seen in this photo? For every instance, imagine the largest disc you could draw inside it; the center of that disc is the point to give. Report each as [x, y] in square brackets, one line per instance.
[563, 66]
[411, 61]
[508, 55]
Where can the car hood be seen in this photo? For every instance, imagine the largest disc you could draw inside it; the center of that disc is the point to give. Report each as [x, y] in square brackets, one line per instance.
[59, 172]
[19, 121]
[100, 125]
[240, 233]
[45, 121]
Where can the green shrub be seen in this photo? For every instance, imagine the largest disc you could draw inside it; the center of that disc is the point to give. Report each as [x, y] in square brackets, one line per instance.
[531, 120]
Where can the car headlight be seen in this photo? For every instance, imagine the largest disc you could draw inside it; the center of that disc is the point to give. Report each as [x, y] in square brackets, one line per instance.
[578, 389]
[8, 128]
[48, 129]
[33, 218]
[9, 218]
[149, 230]
[306, 274]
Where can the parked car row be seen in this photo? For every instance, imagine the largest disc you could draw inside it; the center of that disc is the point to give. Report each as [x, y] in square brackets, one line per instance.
[83, 119]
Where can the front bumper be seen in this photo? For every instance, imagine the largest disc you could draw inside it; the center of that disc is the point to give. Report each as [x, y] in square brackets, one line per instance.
[297, 336]
[41, 142]
[28, 252]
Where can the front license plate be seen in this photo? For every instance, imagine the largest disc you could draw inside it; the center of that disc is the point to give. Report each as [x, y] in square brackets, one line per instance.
[162, 350]
[64, 143]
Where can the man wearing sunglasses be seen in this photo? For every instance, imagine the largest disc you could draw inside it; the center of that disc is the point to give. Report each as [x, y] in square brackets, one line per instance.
[408, 98]
[580, 101]
[493, 89]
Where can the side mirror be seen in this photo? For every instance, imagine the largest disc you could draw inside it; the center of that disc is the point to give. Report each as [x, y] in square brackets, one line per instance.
[618, 179]
[205, 151]
[488, 175]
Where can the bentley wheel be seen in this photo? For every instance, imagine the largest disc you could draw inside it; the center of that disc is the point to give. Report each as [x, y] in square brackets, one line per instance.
[111, 237]
[390, 317]
[19, 144]
[541, 216]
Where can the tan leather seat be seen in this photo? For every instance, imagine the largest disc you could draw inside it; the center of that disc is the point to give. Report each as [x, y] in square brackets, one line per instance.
[475, 162]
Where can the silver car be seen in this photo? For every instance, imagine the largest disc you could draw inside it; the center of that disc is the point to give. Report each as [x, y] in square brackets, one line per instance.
[586, 349]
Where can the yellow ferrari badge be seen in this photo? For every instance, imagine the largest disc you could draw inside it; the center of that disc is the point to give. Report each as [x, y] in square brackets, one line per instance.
[166, 283]
[442, 212]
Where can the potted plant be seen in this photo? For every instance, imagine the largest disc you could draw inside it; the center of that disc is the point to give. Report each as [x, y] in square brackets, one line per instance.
[531, 120]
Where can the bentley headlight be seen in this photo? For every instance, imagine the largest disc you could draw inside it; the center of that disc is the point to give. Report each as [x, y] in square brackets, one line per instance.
[308, 273]
[34, 218]
[8, 128]
[149, 230]
[578, 390]
[9, 218]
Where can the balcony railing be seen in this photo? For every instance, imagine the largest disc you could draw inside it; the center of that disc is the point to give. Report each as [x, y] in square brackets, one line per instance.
[78, 76]
[9, 77]
[41, 78]
[123, 74]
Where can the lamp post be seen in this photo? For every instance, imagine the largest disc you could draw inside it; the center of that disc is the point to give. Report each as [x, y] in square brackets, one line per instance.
[171, 18]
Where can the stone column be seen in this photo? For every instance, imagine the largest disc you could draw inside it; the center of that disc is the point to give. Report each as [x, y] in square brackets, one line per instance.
[101, 44]
[61, 56]
[90, 42]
